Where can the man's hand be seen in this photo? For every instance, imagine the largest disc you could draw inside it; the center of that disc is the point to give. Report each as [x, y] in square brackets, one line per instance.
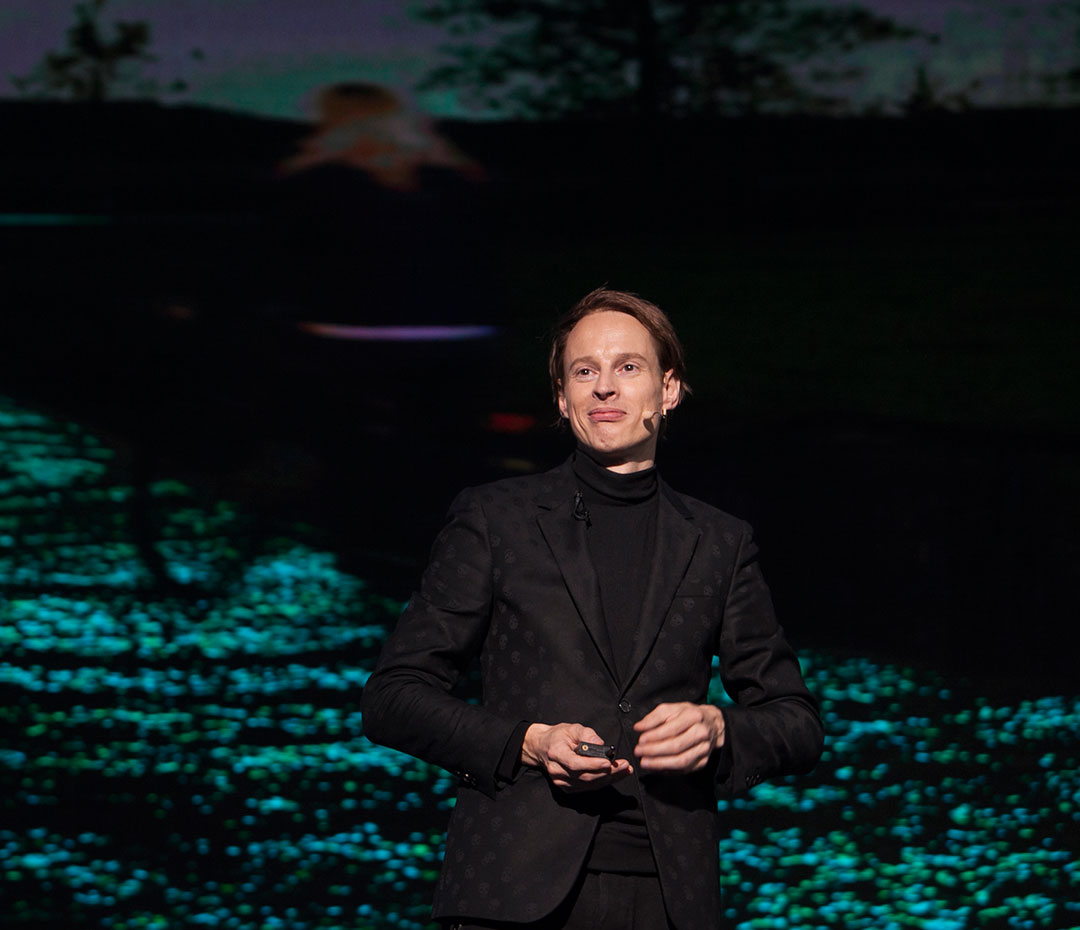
[551, 749]
[678, 737]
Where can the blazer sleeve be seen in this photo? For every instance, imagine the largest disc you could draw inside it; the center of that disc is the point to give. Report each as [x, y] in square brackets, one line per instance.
[773, 728]
[407, 701]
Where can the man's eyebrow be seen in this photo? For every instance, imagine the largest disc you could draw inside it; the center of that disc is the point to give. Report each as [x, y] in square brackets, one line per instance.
[622, 357]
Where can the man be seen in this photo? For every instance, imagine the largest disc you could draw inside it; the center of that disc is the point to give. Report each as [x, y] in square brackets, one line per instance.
[595, 598]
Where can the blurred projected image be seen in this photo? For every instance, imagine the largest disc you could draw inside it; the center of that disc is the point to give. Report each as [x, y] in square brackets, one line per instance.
[187, 750]
[367, 127]
[400, 221]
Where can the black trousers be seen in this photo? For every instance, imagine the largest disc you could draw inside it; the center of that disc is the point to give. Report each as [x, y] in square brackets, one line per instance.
[599, 901]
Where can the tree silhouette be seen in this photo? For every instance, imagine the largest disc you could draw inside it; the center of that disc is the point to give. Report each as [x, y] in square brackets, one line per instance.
[555, 58]
[92, 63]
[929, 94]
[1065, 15]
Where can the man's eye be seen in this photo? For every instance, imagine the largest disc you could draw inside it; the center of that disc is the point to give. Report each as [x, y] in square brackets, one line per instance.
[630, 366]
[583, 372]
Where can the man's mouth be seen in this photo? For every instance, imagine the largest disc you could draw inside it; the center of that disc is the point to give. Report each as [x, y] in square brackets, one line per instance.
[605, 414]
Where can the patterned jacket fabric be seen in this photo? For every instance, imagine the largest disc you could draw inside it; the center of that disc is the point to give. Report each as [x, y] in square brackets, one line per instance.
[510, 583]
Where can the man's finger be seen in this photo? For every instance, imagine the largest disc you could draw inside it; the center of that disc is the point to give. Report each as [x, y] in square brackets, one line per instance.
[670, 728]
[668, 718]
[681, 743]
[592, 781]
[581, 734]
[684, 730]
[688, 761]
[618, 767]
[574, 766]
[655, 717]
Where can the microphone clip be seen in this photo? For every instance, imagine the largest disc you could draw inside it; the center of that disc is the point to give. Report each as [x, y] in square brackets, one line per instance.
[581, 512]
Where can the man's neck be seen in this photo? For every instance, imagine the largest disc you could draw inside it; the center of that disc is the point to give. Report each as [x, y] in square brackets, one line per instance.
[625, 463]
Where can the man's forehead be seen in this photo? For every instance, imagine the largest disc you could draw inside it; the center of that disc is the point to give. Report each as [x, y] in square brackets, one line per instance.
[612, 333]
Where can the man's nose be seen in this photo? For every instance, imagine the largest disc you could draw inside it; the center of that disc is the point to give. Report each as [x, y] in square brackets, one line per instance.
[605, 386]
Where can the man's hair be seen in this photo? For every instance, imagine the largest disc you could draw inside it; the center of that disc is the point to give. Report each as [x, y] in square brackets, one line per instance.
[669, 350]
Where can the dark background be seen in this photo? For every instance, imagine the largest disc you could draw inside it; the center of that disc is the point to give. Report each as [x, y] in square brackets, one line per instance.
[879, 314]
[879, 305]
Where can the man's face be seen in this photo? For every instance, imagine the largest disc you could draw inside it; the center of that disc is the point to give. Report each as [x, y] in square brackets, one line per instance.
[613, 391]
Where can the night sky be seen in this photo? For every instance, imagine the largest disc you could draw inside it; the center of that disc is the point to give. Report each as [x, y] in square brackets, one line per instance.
[268, 56]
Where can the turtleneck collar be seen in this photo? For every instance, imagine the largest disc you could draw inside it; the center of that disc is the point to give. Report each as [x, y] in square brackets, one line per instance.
[604, 486]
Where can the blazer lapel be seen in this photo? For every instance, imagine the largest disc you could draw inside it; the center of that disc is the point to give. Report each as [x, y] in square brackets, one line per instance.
[565, 535]
[676, 539]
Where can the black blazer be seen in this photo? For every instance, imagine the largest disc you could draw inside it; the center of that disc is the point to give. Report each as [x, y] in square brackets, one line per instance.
[510, 581]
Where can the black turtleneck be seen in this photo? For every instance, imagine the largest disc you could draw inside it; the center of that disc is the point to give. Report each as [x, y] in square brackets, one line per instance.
[621, 538]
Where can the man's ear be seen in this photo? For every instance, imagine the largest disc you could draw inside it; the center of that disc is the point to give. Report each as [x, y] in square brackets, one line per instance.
[672, 390]
[562, 401]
